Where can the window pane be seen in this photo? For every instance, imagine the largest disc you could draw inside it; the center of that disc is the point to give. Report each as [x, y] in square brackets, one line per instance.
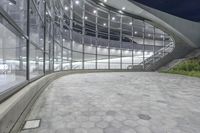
[36, 62]
[12, 57]
[17, 9]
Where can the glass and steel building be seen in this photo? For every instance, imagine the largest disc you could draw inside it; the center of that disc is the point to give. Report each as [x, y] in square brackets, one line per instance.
[40, 37]
[43, 40]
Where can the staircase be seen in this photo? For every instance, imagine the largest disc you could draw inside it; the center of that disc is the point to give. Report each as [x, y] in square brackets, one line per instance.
[148, 64]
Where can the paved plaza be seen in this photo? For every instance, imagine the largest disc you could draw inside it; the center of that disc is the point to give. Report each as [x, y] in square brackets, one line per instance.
[121, 102]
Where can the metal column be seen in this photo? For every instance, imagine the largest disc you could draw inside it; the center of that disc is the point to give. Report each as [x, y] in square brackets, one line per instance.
[96, 40]
[121, 42]
[143, 37]
[109, 40]
[71, 32]
[83, 36]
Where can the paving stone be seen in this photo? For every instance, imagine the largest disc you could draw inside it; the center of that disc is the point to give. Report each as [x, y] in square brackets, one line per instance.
[111, 130]
[116, 124]
[127, 130]
[142, 129]
[95, 130]
[130, 123]
[109, 103]
[87, 124]
[95, 118]
[102, 124]
[80, 130]
[73, 124]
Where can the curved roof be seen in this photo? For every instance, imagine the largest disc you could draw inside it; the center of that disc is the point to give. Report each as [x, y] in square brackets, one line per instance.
[187, 9]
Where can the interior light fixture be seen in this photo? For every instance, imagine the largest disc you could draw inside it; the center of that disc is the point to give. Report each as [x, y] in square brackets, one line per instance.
[135, 32]
[10, 3]
[95, 11]
[113, 18]
[102, 4]
[66, 8]
[86, 17]
[120, 11]
[105, 1]
[123, 8]
[77, 2]
[130, 23]
[104, 24]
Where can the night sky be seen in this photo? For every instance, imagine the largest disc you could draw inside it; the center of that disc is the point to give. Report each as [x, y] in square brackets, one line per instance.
[188, 9]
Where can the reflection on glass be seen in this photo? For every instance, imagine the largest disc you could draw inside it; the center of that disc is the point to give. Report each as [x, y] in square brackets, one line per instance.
[35, 62]
[12, 57]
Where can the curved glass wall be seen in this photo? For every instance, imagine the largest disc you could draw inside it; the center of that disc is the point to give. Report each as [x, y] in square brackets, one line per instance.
[39, 37]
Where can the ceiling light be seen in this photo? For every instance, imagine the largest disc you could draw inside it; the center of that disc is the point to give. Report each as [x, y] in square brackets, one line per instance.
[86, 17]
[120, 11]
[95, 11]
[149, 35]
[123, 8]
[135, 32]
[130, 23]
[77, 2]
[66, 8]
[10, 3]
[102, 4]
[104, 0]
[104, 24]
[113, 18]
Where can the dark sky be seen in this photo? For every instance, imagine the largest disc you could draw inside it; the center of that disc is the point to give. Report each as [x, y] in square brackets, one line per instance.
[188, 9]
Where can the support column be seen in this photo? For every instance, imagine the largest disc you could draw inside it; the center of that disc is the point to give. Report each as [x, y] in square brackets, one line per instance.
[83, 36]
[44, 64]
[109, 40]
[62, 30]
[154, 43]
[143, 37]
[121, 42]
[71, 32]
[133, 44]
[96, 40]
[28, 42]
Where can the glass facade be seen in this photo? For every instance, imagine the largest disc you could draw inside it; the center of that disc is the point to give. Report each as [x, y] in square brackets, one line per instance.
[40, 37]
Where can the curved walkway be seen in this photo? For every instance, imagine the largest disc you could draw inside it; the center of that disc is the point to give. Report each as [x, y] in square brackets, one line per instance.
[119, 103]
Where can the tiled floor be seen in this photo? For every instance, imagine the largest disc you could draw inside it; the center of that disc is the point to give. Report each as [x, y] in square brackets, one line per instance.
[119, 103]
